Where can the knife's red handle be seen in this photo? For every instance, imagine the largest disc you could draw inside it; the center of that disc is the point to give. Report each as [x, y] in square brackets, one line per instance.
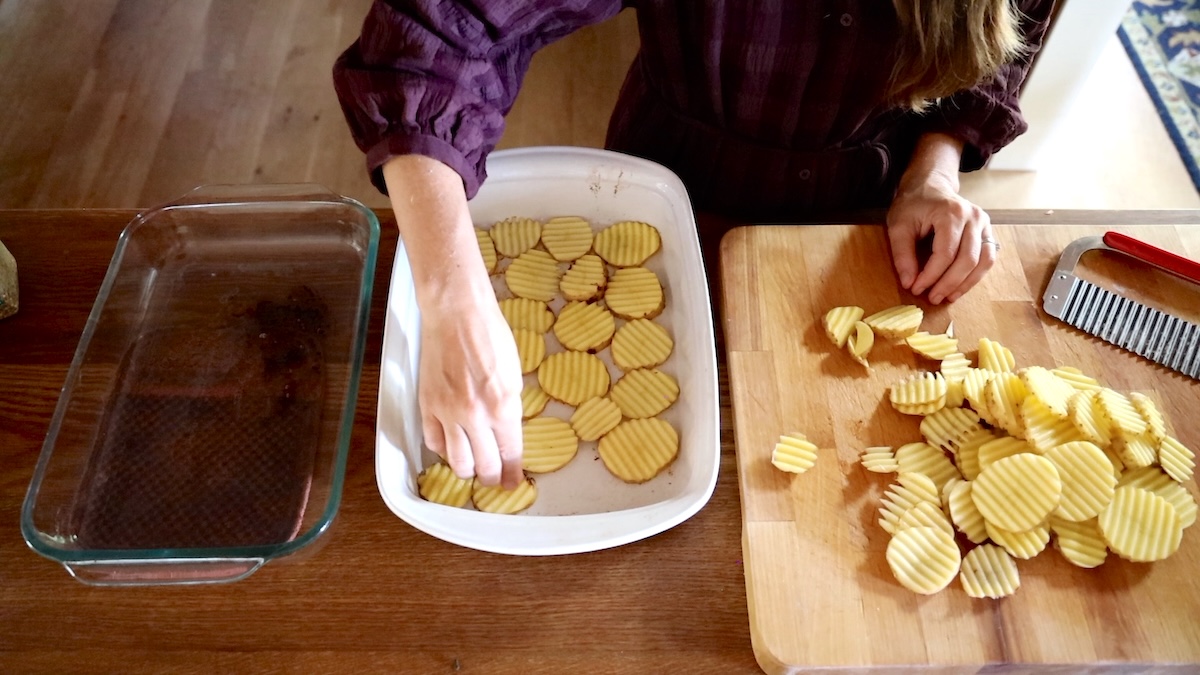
[1175, 264]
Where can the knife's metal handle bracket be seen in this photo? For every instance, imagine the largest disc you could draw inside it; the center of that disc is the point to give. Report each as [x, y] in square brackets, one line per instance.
[1058, 290]
[1164, 339]
[1054, 300]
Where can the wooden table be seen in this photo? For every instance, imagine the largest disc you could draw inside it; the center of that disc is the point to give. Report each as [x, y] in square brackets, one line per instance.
[846, 611]
[376, 594]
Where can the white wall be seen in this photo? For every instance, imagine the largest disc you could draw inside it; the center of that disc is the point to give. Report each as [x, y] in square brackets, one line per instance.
[1079, 36]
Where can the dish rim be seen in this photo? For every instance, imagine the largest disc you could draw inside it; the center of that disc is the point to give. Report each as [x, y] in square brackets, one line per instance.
[204, 197]
[463, 527]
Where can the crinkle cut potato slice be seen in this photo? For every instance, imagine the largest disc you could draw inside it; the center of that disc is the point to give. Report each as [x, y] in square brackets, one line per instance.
[923, 559]
[839, 323]
[496, 499]
[550, 443]
[644, 393]
[487, 249]
[585, 279]
[594, 418]
[919, 394]
[936, 347]
[988, 571]
[533, 275]
[637, 450]
[514, 236]
[880, 459]
[641, 343]
[438, 484]
[534, 315]
[1018, 493]
[1141, 526]
[567, 237]
[584, 326]
[573, 377]
[860, 344]
[628, 243]
[896, 323]
[635, 293]
[794, 453]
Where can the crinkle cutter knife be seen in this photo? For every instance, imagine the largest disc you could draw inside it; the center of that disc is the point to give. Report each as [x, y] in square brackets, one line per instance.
[1164, 339]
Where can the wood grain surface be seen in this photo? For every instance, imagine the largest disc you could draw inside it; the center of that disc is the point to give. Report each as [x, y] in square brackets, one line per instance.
[374, 594]
[820, 593]
[131, 103]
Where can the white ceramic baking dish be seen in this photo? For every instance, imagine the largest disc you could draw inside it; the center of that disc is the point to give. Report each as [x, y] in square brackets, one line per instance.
[580, 507]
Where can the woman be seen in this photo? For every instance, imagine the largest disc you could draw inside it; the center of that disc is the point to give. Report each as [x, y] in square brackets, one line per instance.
[767, 110]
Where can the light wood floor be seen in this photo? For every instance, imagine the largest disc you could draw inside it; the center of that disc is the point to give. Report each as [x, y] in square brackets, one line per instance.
[130, 103]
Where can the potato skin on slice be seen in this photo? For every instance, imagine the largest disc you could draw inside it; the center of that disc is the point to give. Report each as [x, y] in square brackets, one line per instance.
[496, 499]
[638, 450]
[628, 243]
[923, 559]
[437, 483]
[839, 323]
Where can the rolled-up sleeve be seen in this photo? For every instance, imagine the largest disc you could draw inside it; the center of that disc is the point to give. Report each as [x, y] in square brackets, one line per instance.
[436, 77]
[988, 117]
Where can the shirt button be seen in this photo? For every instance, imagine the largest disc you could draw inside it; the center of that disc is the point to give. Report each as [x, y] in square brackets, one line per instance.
[847, 20]
[805, 174]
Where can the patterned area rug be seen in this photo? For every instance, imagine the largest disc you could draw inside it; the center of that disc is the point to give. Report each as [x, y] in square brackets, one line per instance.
[1163, 41]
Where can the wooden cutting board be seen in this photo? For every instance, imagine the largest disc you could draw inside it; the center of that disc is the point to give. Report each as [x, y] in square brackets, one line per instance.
[820, 592]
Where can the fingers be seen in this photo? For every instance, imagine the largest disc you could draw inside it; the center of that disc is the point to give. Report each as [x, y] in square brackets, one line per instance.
[958, 260]
[967, 259]
[947, 238]
[486, 455]
[458, 451]
[493, 455]
[904, 253]
[470, 394]
[488, 447]
[435, 438]
[510, 444]
[499, 446]
[986, 259]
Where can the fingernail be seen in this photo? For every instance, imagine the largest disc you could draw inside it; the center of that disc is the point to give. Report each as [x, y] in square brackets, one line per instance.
[936, 299]
[955, 296]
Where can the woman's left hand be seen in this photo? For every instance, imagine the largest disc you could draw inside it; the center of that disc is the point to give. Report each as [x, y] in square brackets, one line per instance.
[964, 247]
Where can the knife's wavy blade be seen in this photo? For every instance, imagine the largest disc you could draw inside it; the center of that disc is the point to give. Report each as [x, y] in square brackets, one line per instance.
[1160, 337]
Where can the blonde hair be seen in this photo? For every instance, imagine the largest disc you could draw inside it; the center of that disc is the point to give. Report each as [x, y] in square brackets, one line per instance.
[949, 45]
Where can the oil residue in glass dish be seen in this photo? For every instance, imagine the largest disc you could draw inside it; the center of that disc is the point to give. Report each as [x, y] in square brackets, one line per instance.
[210, 436]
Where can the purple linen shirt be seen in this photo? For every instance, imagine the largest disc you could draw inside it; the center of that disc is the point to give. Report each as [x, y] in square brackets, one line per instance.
[767, 109]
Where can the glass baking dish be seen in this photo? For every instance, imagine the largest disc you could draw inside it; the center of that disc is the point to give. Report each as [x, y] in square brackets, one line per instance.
[205, 420]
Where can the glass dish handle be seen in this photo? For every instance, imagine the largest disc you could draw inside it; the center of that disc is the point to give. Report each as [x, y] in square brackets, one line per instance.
[280, 192]
[160, 572]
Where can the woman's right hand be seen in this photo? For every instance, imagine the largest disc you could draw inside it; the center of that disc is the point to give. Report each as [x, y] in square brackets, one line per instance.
[470, 391]
[469, 386]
